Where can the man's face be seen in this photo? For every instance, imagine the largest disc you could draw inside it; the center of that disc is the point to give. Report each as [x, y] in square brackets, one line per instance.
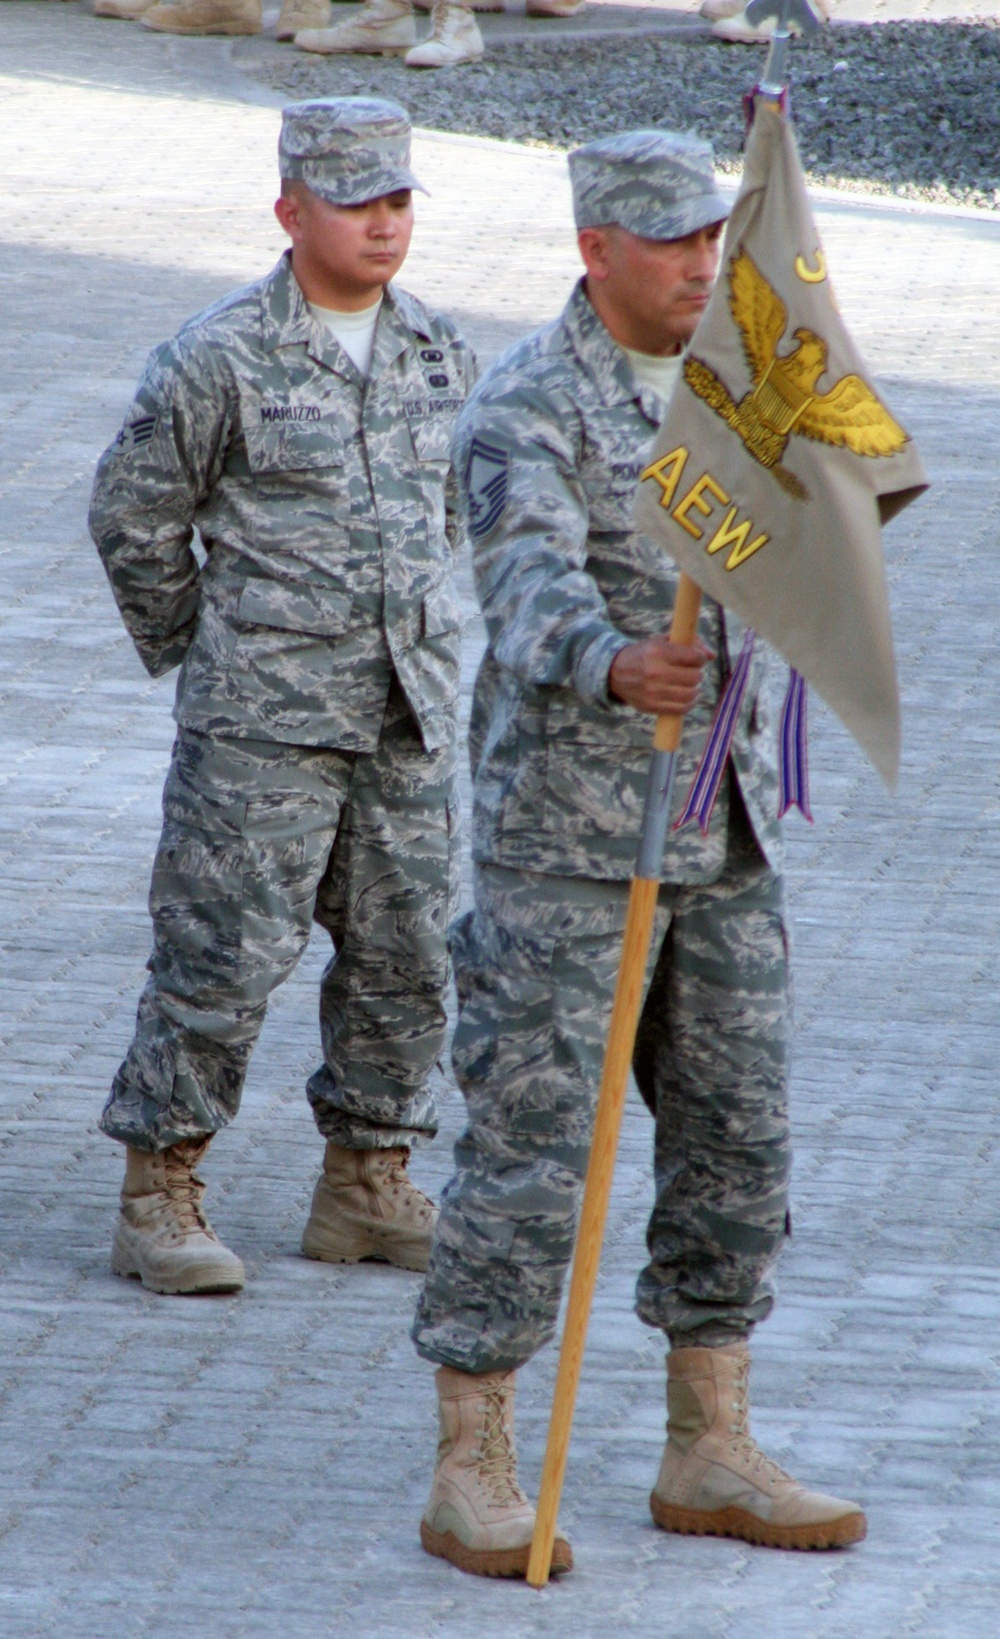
[650, 293]
[343, 255]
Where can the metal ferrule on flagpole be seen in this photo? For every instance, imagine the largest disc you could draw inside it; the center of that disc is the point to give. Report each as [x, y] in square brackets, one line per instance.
[655, 815]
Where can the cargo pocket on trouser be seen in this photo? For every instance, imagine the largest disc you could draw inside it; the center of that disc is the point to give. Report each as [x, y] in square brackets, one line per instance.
[184, 1071]
[385, 902]
[491, 1297]
[197, 990]
[196, 902]
[505, 1236]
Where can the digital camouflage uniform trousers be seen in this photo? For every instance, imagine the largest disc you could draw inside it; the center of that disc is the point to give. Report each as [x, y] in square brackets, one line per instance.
[535, 965]
[318, 641]
[258, 841]
[550, 446]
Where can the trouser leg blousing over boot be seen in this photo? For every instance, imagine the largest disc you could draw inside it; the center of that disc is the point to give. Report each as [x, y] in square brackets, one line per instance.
[715, 1481]
[163, 1236]
[477, 1516]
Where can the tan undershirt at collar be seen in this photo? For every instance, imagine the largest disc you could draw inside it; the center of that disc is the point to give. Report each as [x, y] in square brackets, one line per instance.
[659, 372]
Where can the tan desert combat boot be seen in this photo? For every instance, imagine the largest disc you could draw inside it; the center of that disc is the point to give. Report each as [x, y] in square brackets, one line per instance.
[163, 1236]
[365, 1206]
[715, 1480]
[128, 11]
[205, 17]
[297, 15]
[478, 1517]
[454, 38]
[382, 28]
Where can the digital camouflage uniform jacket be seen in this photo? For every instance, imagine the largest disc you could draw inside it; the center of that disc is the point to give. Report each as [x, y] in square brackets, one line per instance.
[551, 446]
[319, 497]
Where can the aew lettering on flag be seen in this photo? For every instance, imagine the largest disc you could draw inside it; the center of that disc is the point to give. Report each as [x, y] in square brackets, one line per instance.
[778, 461]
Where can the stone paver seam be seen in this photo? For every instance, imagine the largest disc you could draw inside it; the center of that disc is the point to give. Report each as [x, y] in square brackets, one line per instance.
[808, 1177]
[14, 478]
[129, 888]
[33, 1008]
[167, 1419]
[831, 838]
[944, 1054]
[297, 1207]
[41, 661]
[71, 962]
[42, 1204]
[907, 1359]
[811, 1392]
[51, 1088]
[51, 1458]
[69, 794]
[293, 1515]
[930, 1547]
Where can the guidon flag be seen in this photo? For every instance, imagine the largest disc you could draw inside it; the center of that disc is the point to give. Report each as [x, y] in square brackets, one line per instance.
[778, 461]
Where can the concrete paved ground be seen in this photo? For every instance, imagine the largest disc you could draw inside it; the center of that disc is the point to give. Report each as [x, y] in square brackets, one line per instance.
[256, 1467]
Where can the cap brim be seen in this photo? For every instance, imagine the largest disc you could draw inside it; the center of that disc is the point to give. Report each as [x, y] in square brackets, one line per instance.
[678, 224]
[360, 190]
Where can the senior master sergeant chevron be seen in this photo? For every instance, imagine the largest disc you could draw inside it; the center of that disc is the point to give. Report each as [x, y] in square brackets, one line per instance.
[303, 426]
[576, 603]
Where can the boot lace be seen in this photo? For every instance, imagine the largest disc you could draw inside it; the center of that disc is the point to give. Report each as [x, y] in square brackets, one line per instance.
[761, 1468]
[497, 1461]
[400, 1185]
[185, 1188]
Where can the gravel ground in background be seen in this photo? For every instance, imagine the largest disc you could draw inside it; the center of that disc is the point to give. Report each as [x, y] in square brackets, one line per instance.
[910, 109]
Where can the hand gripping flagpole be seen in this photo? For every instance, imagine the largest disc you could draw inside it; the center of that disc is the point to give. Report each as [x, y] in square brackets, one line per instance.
[631, 980]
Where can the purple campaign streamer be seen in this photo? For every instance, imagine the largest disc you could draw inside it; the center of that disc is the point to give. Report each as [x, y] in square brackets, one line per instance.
[795, 749]
[794, 752]
[706, 783]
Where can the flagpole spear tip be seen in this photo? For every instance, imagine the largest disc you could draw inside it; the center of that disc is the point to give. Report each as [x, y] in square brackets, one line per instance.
[786, 13]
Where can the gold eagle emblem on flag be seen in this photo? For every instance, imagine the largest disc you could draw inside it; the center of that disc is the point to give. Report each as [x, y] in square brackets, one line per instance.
[783, 399]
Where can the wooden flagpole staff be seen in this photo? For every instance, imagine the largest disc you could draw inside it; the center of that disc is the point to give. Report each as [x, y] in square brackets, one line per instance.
[611, 1099]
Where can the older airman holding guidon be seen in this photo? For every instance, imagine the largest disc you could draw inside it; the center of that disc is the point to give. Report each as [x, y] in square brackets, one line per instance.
[577, 602]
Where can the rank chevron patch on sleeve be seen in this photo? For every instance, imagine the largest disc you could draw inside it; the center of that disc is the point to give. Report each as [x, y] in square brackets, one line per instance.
[487, 479]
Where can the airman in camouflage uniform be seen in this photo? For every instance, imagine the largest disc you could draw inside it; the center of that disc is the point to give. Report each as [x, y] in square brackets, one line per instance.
[313, 776]
[550, 447]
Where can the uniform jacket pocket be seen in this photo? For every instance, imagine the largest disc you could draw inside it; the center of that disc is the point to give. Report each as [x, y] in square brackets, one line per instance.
[295, 608]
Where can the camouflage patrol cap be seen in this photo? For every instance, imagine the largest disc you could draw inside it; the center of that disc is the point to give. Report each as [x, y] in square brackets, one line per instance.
[346, 149]
[657, 184]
